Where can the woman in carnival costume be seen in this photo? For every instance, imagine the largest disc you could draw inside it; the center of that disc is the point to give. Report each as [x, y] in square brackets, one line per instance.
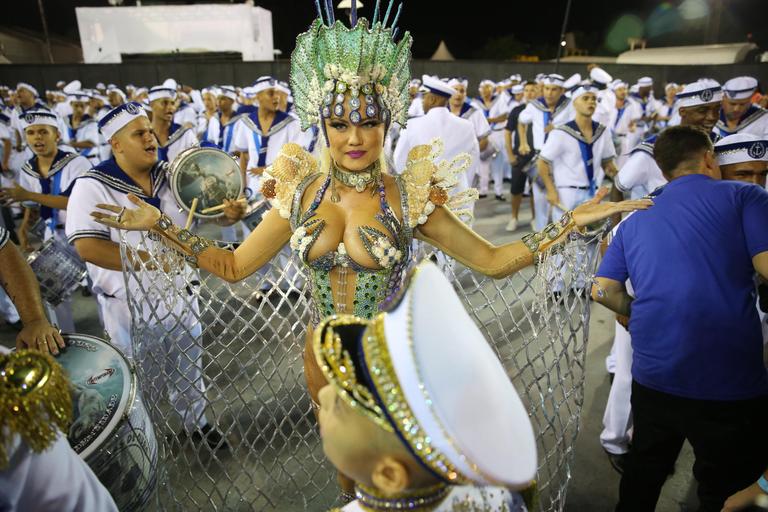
[349, 218]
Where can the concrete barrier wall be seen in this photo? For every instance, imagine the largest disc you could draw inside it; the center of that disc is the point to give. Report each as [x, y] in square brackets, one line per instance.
[200, 73]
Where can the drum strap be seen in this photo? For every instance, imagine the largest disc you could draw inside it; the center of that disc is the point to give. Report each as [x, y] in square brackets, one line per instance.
[257, 139]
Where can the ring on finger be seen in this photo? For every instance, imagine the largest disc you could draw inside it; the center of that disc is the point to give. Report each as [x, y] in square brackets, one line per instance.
[119, 217]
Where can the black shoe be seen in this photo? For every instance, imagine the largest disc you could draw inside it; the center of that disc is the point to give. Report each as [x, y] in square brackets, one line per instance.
[85, 291]
[482, 196]
[618, 461]
[212, 436]
[500, 198]
[557, 297]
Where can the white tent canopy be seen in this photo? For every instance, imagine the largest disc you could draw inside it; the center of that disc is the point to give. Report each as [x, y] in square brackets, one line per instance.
[442, 52]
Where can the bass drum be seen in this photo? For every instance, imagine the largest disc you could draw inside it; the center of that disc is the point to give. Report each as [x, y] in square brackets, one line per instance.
[111, 430]
[207, 174]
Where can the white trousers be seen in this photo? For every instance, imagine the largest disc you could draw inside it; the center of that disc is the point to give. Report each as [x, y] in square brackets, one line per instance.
[617, 420]
[170, 359]
[493, 169]
[541, 207]
[7, 309]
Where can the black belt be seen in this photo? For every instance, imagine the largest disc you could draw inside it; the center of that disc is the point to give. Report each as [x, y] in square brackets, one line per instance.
[577, 188]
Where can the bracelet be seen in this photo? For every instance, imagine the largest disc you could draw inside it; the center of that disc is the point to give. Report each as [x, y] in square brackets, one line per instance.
[190, 243]
[763, 483]
[534, 241]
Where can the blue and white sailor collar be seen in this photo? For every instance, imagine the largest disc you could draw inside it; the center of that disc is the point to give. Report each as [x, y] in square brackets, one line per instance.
[110, 174]
[752, 114]
[60, 161]
[572, 129]
[175, 132]
[541, 104]
[281, 121]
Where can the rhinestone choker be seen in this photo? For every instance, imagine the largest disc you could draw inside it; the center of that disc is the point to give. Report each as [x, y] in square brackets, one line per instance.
[423, 499]
[358, 180]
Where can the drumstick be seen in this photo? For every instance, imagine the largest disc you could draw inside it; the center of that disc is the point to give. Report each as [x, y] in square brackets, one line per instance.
[221, 206]
[191, 215]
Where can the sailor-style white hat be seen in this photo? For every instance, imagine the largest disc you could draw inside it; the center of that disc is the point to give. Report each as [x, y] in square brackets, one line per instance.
[415, 82]
[424, 371]
[30, 88]
[670, 85]
[36, 117]
[228, 92]
[701, 92]
[645, 81]
[434, 85]
[617, 84]
[159, 92]
[600, 75]
[283, 87]
[582, 90]
[555, 79]
[485, 82]
[264, 83]
[740, 88]
[573, 81]
[740, 148]
[516, 77]
[518, 89]
[453, 82]
[117, 91]
[120, 116]
[79, 96]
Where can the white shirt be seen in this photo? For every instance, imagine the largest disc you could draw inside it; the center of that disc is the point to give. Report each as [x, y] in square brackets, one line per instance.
[222, 138]
[457, 134]
[66, 168]
[416, 108]
[620, 124]
[478, 120]
[107, 183]
[563, 153]
[179, 139]
[640, 175]
[87, 131]
[534, 113]
[185, 115]
[754, 122]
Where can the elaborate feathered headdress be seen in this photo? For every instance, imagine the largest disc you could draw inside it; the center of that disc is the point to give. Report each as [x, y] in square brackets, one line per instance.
[331, 59]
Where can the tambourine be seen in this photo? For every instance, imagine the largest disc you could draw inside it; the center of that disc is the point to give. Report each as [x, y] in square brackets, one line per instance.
[207, 174]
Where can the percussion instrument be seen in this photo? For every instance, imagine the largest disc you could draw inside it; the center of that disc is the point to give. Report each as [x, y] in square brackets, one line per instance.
[255, 213]
[58, 269]
[111, 430]
[208, 174]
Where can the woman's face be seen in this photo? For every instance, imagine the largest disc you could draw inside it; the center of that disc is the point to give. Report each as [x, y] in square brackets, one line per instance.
[354, 147]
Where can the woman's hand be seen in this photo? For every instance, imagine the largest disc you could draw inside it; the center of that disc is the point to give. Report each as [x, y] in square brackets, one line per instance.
[142, 218]
[593, 211]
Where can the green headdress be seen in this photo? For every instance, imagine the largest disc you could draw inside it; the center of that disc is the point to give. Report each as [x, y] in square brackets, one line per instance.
[331, 59]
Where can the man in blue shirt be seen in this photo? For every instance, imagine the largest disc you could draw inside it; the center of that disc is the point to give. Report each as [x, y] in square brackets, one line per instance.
[697, 366]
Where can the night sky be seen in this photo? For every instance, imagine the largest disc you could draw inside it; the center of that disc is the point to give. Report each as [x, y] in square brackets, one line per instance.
[474, 29]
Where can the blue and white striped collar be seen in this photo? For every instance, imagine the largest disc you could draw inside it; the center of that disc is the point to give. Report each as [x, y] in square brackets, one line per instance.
[110, 174]
[60, 161]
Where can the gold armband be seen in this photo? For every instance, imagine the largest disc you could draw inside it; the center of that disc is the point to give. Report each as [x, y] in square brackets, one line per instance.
[183, 240]
[544, 239]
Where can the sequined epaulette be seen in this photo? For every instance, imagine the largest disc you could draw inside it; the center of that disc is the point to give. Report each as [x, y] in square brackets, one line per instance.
[428, 183]
[282, 178]
[35, 401]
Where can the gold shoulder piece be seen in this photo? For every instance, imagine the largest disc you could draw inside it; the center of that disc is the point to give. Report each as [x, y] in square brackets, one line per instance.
[429, 183]
[35, 401]
[282, 178]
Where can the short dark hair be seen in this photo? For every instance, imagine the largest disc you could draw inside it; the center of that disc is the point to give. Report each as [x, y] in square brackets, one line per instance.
[679, 144]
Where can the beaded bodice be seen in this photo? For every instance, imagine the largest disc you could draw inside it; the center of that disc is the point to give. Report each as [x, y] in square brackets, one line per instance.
[388, 248]
[423, 185]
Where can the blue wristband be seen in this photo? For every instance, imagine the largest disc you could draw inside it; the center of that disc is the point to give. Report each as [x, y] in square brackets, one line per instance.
[763, 483]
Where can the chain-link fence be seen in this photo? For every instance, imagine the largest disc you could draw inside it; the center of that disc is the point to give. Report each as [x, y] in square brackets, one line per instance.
[230, 356]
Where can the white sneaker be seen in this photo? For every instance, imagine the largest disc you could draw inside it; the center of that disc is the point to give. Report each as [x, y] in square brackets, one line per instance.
[512, 225]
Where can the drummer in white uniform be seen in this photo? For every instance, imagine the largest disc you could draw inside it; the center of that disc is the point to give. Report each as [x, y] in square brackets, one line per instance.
[739, 114]
[82, 128]
[494, 163]
[135, 169]
[577, 155]
[541, 116]
[221, 126]
[172, 138]
[458, 105]
[45, 183]
[458, 135]
[699, 106]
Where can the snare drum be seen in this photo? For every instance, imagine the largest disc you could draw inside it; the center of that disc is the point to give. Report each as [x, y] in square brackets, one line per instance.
[255, 213]
[111, 430]
[208, 174]
[58, 269]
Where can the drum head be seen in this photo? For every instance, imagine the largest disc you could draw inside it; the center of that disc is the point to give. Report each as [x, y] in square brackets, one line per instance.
[101, 389]
[208, 174]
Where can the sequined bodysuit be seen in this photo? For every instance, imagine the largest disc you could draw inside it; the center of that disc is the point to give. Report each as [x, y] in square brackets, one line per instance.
[390, 250]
